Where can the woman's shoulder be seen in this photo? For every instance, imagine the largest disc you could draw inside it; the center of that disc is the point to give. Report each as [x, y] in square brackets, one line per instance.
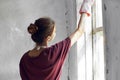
[25, 54]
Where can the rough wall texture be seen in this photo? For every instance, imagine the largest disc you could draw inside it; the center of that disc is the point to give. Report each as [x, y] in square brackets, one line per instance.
[111, 23]
[16, 15]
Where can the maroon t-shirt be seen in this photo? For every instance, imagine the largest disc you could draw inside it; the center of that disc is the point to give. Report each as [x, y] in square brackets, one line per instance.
[46, 66]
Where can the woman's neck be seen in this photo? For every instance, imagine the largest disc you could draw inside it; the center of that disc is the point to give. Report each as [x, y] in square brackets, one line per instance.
[38, 46]
[42, 44]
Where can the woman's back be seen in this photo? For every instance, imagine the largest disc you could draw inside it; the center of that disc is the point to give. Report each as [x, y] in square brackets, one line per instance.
[47, 65]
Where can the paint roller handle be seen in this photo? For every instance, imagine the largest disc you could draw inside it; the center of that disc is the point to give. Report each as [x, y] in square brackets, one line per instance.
[86, 7]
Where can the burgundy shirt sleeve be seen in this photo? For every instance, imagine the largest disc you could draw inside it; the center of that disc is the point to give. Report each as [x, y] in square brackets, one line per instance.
[60, 50]
[22, 70]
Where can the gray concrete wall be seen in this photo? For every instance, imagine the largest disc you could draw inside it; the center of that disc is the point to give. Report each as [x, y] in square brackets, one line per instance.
[111, 23]
[16, 15]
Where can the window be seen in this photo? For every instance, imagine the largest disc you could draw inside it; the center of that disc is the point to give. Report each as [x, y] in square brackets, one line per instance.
[90, 47]
[98, 44]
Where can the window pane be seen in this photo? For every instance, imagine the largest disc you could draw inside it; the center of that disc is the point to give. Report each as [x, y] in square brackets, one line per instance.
[98, 56]
[98, 13]
[98, 44]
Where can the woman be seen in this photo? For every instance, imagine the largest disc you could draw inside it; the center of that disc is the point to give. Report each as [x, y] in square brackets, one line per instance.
[42, 62]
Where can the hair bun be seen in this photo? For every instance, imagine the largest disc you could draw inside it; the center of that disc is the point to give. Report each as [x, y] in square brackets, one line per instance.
[32, 28]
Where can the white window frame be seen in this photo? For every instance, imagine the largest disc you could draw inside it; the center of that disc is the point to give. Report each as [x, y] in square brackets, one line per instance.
[87, 48]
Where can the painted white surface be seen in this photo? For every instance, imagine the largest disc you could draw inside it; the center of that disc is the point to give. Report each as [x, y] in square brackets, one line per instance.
[111, 23]
[16, 15]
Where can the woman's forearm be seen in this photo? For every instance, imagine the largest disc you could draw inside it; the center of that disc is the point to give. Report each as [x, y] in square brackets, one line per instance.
[80, 29]
[82, 20]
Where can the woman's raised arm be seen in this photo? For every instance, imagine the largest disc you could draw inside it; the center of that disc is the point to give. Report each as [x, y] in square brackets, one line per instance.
[79, 30]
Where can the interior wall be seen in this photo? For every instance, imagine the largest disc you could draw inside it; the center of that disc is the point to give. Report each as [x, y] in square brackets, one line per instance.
[15, 17]
[111, 24]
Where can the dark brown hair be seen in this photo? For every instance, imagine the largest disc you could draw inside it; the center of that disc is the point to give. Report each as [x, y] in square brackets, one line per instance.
[41, 29]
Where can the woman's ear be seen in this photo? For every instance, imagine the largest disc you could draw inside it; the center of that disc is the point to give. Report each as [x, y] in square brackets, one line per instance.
[49, 38]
